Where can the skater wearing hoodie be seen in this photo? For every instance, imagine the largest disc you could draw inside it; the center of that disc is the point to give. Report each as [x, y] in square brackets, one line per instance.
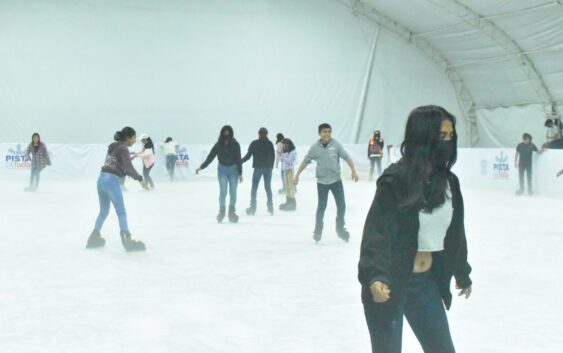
[288, 159]
[117, 165]
[414, 239]
[229, 173]
[375, 153]
[327, 152]
[263, 156]
[39, 155]
[149, 159]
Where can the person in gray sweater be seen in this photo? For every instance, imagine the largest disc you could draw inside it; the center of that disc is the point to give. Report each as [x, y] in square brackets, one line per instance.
[327, 152]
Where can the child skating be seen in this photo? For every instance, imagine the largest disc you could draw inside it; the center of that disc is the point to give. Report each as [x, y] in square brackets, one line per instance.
[327, 152]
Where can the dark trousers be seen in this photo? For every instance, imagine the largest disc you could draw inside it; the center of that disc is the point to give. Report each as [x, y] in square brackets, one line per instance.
[147, 175]
[171, 165]
[258, 174]
[525, 168]
[337, 190]
[425, 313]
[373, 162]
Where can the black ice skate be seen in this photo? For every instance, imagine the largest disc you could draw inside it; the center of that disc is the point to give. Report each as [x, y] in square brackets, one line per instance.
[233, 217]
[95, 240]
[221, 215]
[130, 244]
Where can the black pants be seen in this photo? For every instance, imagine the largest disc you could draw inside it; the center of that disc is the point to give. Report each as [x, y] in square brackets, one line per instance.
[425, 313]
[525, 168]
[373, 162]
[337, 190]
[147, 175]
[171, 165]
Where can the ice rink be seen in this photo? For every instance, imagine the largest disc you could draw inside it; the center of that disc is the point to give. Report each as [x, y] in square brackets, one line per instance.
[259, 286]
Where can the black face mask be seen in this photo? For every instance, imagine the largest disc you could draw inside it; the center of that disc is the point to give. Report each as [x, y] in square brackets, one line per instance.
[444, 153]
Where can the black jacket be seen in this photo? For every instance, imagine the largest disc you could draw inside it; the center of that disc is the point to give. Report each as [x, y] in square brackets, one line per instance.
[390, 244]
[262, 152]
[227, 154]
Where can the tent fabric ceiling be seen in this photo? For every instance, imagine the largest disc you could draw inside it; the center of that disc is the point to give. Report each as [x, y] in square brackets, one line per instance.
[492, 74]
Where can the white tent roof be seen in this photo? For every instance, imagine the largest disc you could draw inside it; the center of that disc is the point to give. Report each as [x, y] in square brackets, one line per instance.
[507, 53]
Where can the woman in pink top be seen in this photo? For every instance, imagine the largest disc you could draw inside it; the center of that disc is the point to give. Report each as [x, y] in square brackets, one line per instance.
[149, 159]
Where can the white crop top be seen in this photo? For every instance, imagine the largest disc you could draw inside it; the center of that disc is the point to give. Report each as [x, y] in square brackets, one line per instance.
[434, 226]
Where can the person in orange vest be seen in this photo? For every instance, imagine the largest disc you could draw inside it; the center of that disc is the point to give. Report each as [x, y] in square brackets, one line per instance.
[375, 152]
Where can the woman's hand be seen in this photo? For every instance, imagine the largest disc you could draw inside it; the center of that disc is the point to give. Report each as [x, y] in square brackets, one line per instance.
[380, 292]
[464, 291]
[296, 179]
[355, 177]
[144, 184]
[240, 179]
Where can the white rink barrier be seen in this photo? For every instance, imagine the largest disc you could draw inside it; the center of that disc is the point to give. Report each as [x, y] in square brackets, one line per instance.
[476, 167]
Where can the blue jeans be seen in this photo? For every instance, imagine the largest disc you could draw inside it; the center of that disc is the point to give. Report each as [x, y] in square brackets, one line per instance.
[171, 165]
[228, 178]
[258, 174]
[425, 313]
[109, 191]
[35, 176]
[337, 190]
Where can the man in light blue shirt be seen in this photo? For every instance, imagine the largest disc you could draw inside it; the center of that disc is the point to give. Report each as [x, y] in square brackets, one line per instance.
[327, 152]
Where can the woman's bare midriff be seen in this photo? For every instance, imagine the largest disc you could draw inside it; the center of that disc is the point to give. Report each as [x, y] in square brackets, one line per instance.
[422, 262]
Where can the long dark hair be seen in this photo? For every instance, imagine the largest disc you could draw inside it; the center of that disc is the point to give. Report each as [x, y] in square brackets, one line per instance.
[231, 138]
[168, 139]
[288, 145]
[426, 179]
[36, 134]
[124, 134]
[149, 144]
[279, 137]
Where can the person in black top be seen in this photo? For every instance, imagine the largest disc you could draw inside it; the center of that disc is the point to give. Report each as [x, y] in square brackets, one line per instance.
[227, 151]
[523, 161]
[414, 239]
[263, 157]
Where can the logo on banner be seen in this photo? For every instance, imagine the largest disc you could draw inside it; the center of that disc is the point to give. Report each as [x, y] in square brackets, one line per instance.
[501, 168]
[16, 158]
[183, 159]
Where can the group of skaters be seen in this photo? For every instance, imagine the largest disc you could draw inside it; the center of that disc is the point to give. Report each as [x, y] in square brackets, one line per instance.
[413, 239]
[327, 152]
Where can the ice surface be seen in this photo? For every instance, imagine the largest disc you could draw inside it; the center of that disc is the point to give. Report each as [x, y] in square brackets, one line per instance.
[259, 286]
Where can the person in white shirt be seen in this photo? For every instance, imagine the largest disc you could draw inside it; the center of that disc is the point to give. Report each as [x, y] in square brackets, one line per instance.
[169, 147]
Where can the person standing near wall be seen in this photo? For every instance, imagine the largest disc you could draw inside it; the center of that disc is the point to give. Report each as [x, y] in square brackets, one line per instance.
[327, 152]
[375, 153]
[169, 147]
[39, 155]
[523, 161]
[414, 239]
[263, 156]
[288, 159]
[229, 172]
[279, 152]
[148, 157]
[117, 165]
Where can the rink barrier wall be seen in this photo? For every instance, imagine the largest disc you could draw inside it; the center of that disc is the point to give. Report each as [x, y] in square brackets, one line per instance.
[489, 168]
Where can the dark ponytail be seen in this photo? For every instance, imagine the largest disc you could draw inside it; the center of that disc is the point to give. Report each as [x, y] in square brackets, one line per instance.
[124, 134]
[149, 144]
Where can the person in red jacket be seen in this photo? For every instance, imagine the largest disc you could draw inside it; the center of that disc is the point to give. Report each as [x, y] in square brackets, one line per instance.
[39, 155]
[375, 153]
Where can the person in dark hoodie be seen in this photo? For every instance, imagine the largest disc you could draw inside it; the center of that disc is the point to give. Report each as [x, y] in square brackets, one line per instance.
[227, 151]
[375, 153]
[117, 165]
[263, 157]
[414, 239]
